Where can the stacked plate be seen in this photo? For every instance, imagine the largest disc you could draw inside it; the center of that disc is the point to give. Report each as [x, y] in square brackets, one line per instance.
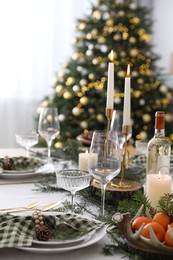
[55, 245]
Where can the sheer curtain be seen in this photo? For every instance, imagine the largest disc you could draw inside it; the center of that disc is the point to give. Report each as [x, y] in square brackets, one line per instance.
[36, 38]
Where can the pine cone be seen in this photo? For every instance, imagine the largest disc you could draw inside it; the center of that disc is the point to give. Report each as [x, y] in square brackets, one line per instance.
[43, 233]
[8, 163]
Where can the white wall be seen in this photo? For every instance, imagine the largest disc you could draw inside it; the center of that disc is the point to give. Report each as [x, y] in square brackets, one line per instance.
[163, 34]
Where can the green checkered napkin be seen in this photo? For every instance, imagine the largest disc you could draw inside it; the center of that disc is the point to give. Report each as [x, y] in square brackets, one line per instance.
[18, 231]
[139, 160]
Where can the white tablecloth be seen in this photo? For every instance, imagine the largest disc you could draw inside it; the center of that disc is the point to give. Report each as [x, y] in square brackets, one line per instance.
[22, 194]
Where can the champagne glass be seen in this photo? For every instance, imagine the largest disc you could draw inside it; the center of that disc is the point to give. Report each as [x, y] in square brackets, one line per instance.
[116, 125]
[105, 146]
[73, 180]
[27, 141]
[49, 128]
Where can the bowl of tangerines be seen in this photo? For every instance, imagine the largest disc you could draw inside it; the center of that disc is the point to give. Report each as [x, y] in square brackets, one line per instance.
[145, 232]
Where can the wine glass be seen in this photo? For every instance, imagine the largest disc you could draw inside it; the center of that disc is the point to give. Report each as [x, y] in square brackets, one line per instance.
[116, 125]
[27, 141]
[73, 180]
[49, 128]
[105, 145]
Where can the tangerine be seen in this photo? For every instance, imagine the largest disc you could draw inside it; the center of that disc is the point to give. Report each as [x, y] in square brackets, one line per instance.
[137, 223]
[162, 218]
[168, 239]
[157, 228]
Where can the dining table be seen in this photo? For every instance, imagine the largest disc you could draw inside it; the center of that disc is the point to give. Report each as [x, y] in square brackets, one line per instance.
[15, 192]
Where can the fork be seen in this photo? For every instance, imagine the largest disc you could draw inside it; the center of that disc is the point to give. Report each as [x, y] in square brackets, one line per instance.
[28, 207]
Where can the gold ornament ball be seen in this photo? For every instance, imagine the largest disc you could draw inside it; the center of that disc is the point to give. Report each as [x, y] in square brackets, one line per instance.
[100, 118]
[91, 110]
[109, 22]
[67, 95]
[83, 124]
[59, 88]
[45, 103]
[76, 111]
[134, 52]
[146, 118]
[82, 26]
[61, 74]
[94, 33]
[58, 145]
[121, 13]
[132, 40]
[75, 56]
[143, 135]
[70, 81]
[91, 76]
[97, 15]
[121, 74]
[84, 100]
[101, 40]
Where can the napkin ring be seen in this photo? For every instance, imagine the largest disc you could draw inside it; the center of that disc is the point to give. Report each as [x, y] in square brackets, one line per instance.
[42, 232]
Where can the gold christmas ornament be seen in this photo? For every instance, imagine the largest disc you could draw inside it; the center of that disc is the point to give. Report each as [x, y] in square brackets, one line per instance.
[101, 40]
[59, 88]
[84, 100]
[121, 74]
[83, 124]
[58, 145]
[146, 118]
[134, 52]
[135, 20]
[91, 76]
[88, 36]
[109, 22]
[97, 15]
[75, 56]
[143, 135]
[132, 40]
[70, 81]
[137, 93]
[100, 118]
[94, 33]
[45, 103]
[76, 111]
[82, 26]
[121, 13]
[61, 74]
[91, 110]
[67, 95]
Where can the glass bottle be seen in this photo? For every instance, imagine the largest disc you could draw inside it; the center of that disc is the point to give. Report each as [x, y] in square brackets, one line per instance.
[158, 150]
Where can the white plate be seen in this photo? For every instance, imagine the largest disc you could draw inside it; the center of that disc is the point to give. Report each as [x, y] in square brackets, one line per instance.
[55, 242]
[19, 174]
[98, 235]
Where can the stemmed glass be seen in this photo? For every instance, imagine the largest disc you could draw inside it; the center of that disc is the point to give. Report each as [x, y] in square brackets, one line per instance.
[105, 146]
[27, 141]
[116, 125]
[49, 128]
[73, 180]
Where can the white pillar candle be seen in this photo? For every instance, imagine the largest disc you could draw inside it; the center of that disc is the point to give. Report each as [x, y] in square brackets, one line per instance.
[110, 84]
[83, 160]
[156, 186]
[127, 105]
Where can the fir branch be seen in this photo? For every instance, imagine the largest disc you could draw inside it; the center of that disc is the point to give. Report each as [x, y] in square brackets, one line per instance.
[165, 204]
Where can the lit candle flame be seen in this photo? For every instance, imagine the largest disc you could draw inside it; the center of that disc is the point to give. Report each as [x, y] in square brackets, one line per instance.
[159, 175]
[128, 71]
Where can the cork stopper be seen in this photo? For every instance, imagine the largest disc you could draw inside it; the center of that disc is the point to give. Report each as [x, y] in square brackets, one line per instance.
[160, 120]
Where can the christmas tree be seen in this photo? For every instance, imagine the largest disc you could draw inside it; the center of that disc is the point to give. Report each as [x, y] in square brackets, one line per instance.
[80, 88]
